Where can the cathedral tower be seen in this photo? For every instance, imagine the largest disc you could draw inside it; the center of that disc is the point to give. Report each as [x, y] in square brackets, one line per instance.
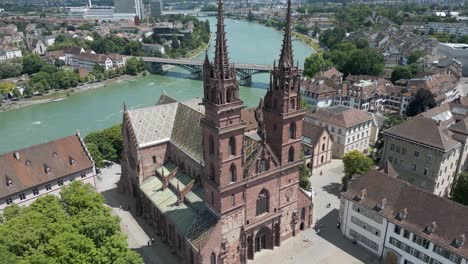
[282, 110]
[223, 130]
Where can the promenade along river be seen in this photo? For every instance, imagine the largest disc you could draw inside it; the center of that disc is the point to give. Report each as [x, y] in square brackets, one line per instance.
[97, 109]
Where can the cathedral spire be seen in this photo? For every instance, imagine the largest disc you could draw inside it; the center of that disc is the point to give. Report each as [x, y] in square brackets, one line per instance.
[221, 62]
[286, 57]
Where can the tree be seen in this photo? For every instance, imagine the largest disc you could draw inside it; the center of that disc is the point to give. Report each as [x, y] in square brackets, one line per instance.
[414, 56]
[460, 190]
[74, 228]
[423, 101]
[315, 64]
[32, 63]
[355, 162]
[304, 174]
[364, 61]
[9, 70]
[401, 72]
[6, 88]
[109, 144]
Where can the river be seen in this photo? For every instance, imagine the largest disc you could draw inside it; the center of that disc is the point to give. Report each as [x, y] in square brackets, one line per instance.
[97, 109]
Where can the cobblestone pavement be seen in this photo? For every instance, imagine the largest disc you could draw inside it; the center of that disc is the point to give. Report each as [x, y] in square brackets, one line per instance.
[328, 247]
[136, 229]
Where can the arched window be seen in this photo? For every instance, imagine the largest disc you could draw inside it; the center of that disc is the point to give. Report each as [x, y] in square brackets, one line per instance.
[292, 104]
[323, 147]
[213, 258]
[154, 159]
[232, 146]
[212, 173]
[292, 131]
[321, 159]
[263, 166]
[303, 213]
[232, 173]
[291, 154]
[263, 202]
[211, 144]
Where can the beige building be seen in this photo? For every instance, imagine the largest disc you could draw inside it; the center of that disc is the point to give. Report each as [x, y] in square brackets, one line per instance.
[349, 128]
[429, 150]
[43, 169]
[317, 145]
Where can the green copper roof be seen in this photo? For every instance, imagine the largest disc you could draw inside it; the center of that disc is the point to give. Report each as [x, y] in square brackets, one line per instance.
[167, 168]
[181, 180]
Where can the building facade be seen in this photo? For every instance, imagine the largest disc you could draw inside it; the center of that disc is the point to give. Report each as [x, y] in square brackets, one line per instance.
[128, 9]
[317, 145]
[43, 169]
[350, 128]
[156, 7]
[401, 223]
[212, 198]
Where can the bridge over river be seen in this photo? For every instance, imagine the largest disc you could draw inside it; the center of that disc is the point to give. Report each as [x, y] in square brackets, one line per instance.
[195, 67]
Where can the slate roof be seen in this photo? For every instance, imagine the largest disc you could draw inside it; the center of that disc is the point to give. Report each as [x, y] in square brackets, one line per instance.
[423, 208]
[425, 131]
[339, 115]
[312, 132]
[187, 131]
[29, 169]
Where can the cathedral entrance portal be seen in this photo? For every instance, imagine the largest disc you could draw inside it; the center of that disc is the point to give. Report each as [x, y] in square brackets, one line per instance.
[263, 239]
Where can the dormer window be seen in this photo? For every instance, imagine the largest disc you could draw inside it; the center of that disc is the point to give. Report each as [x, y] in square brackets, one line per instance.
[362, 195]
[460, 241]
[403, 214]
[16, 155]
[9, 182]
[28, 163]
[46, 169]
[72, 161]
[430, 228]
[54, 154]
[382, 204]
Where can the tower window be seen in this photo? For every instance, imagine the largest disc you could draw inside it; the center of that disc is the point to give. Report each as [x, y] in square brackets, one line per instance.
[323, 147]
[292, 104]
[232, 146]
[232, 173]
[263, 202]
[211, 144]
[154, 159]
[292, 131]
[212, 173]
[263, 166]
[233, 200]
[291, 154]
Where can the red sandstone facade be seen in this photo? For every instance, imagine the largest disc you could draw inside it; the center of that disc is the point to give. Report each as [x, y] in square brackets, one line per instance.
[251, 201]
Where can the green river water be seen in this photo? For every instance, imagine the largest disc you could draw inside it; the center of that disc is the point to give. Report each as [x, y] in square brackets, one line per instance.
[100, 108]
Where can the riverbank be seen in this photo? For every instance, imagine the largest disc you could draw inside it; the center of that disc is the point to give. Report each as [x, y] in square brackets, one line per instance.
[62, 94]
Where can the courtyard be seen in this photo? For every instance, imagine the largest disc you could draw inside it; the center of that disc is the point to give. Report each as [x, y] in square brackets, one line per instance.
[308, 247]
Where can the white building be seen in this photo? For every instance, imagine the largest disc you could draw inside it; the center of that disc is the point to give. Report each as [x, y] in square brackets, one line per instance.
[43, 169]
[456, 29]
[10, 53]
[350, 128]
[403, 224]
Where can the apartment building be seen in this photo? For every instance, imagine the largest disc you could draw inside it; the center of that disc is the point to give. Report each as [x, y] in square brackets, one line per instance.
[7, 53]
[401, 223]
[349, 128]
[43, 169]
[429, 150]
[456, 29]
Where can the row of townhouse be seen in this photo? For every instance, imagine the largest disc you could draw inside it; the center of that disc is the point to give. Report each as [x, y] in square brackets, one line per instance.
[375, 94]
[429, 150]
[44, 169]
[78, 58]
[7, 53]
[455, 29]
[403, 224]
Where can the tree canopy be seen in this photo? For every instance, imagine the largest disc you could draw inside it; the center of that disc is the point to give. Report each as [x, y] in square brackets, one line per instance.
[401, 72]
[460, 191]
[423, 101]
[76, 228]
[105, 144]
[304, 174]
[314, 64]
[355, 162]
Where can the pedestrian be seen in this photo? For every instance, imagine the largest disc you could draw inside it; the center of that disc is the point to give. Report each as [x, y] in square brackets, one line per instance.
[120, 207]
[321, 173]
[149, 242]
[152, 240]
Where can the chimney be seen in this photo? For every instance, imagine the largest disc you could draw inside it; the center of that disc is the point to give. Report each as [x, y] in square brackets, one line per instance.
[9, 182]
[16, 155]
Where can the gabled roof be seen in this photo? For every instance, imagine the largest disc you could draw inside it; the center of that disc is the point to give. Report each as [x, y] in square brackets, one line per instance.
[422, 208]
[28, 167]
[340, 115]
[312, 132]
[425, 131]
